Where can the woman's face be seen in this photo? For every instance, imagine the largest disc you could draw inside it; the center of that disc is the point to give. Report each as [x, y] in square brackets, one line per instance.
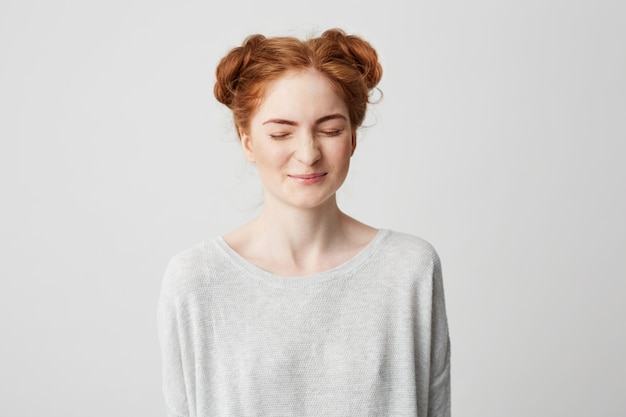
[301, 140]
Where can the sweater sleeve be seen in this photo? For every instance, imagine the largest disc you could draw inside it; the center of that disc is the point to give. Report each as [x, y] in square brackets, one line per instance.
[439, 390]
[169, 331]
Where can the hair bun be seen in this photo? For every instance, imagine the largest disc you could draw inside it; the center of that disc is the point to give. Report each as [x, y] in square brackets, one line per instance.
[229, 69]
[363, 54]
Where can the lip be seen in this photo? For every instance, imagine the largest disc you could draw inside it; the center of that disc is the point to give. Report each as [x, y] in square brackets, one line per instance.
[309, 178]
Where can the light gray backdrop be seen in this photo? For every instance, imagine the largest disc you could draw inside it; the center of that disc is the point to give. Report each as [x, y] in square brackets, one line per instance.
[500, 139]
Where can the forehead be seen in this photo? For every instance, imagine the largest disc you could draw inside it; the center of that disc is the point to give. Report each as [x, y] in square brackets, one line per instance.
[300, 96]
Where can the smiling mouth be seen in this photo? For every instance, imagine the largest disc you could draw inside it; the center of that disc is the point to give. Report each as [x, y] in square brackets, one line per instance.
[309, 179]
[309, 176]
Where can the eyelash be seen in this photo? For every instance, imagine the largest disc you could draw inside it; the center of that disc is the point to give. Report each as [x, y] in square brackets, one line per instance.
[327, 133]
[280, 136]
[330, 133]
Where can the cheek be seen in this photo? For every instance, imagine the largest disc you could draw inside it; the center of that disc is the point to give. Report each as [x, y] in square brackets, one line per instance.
[270, 159]
[339, 159]
[343, 154]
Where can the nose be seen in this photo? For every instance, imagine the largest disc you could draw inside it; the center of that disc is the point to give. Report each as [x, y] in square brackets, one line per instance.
[307, 149]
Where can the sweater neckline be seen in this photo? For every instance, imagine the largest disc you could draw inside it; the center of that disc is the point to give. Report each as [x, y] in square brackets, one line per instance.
[256, 272]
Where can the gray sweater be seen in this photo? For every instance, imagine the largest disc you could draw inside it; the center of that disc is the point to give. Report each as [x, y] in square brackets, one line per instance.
[367, 338]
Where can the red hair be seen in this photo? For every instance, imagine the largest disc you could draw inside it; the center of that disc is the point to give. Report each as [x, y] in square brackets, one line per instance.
[349, 62]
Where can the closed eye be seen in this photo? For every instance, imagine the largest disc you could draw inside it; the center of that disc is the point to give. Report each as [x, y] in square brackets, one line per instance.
[330, 133]
[279, 136]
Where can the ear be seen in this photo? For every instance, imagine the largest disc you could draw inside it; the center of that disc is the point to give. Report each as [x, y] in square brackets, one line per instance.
[353, 143]
[246, 145]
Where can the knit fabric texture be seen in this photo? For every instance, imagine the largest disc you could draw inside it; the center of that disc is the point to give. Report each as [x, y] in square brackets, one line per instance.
[367, 338]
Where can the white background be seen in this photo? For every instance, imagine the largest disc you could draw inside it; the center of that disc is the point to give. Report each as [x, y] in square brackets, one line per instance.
[500, 139]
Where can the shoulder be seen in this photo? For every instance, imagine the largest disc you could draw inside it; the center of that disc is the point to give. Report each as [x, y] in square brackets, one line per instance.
[409, 256]
[404, 245]
[191, 269]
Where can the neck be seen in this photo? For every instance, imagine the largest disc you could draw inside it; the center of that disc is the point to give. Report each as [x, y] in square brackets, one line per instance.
[303, 230]
[294, 241]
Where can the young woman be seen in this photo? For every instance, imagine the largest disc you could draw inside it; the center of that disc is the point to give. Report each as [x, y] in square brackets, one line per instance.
[303, 311]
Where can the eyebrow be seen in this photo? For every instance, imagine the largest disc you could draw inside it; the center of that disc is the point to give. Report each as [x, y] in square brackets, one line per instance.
[318, 121]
